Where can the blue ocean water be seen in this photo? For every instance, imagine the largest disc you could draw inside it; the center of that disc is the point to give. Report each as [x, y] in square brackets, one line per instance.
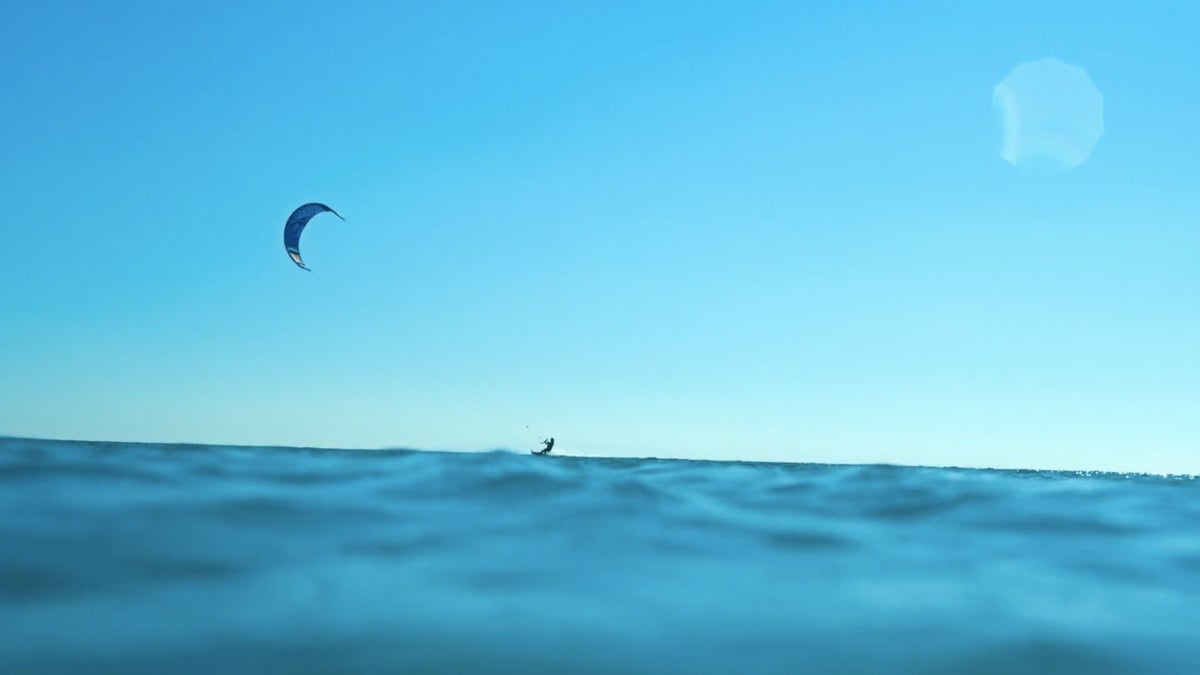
[119, 558]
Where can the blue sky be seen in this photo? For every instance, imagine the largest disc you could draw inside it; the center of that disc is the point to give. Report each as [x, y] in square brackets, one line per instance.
[749, 231]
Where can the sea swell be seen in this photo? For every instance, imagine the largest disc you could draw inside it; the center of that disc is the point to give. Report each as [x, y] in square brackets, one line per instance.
[152, 558]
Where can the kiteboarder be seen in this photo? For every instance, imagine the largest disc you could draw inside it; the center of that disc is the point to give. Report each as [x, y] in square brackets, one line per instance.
[549, 443]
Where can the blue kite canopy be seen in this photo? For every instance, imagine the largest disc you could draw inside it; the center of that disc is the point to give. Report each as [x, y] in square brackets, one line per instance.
[295, 226]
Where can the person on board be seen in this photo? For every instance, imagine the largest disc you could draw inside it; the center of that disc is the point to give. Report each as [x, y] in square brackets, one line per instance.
[549, 443]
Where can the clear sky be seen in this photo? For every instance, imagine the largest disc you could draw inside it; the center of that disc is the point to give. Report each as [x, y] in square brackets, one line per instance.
[759, 231]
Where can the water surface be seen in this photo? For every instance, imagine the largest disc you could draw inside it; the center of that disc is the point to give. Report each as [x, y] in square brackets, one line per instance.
[121, 558]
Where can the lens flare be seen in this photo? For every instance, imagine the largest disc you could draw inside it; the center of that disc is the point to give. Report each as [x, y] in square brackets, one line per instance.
[1051, 115]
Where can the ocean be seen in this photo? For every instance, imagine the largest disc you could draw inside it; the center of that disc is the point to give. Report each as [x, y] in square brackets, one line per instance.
[131, 558]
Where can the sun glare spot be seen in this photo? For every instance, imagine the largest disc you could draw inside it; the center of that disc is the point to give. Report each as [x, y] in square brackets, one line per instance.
[1051, 115]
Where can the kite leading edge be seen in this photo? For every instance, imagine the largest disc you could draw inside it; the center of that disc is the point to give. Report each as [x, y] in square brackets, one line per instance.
[295, 226]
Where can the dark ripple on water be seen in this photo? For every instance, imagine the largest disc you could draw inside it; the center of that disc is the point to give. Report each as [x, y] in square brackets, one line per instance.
[157, 558]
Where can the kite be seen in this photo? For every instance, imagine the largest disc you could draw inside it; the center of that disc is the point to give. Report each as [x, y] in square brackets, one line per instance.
[295, 226]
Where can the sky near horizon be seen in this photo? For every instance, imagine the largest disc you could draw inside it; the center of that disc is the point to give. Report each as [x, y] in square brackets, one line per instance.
[756, 231]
